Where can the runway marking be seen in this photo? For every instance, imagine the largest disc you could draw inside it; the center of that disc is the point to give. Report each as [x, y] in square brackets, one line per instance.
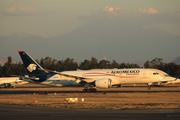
[174, 116]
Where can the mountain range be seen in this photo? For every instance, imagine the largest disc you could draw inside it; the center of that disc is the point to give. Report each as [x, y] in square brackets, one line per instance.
[177, 60]
[124, 42]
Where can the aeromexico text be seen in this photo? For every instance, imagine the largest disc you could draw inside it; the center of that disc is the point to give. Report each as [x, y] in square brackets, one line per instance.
[125, 71]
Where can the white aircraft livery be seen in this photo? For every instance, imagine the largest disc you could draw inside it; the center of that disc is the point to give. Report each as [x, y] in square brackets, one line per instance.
[92, 79]
[11, 82]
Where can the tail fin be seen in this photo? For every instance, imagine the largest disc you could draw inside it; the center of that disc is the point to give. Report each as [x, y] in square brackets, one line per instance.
[32, 67]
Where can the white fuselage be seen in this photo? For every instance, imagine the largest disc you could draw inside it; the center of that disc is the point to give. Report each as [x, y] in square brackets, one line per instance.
[11, 80]
[117, 76]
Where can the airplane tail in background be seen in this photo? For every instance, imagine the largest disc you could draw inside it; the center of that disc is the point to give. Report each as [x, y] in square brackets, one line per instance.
[32, 67]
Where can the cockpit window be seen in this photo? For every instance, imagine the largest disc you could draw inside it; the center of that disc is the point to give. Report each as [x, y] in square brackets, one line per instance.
[166, 75]
[155, 73]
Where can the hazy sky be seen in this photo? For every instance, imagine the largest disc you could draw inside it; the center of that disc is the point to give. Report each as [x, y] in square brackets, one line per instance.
[49, 18]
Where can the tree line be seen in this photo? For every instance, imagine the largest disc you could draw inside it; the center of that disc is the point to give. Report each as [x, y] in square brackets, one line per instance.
[10, 68]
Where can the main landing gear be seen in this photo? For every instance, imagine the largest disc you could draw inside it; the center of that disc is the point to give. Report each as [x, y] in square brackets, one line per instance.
[89, 88]
[149, 87]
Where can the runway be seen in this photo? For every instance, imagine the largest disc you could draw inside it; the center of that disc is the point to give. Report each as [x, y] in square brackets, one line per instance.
[11, 112]
[138, 104]
[42, 89]
[59, 91]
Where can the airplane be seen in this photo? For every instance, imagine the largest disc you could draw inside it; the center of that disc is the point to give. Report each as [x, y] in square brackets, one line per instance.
[10, 82]
[92, 79]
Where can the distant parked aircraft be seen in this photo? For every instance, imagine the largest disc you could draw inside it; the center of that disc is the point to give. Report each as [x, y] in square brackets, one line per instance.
[11, 82]
[92, 79]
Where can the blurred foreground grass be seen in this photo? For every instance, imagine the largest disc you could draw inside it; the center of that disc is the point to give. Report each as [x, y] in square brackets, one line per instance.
[97, 100]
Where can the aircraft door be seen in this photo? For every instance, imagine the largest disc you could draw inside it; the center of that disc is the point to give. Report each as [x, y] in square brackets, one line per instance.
[123, 79]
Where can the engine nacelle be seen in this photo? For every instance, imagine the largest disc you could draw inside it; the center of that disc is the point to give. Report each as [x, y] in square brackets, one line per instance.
[103, 83]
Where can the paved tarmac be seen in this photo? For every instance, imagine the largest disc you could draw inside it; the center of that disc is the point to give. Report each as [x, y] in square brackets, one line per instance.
[15, 112]
[33, 88]
[18, 112]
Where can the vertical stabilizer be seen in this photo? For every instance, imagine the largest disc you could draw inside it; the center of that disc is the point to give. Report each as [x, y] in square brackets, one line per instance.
[32, 67]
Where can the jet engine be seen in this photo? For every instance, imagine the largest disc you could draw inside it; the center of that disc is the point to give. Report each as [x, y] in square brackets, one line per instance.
[103, 83]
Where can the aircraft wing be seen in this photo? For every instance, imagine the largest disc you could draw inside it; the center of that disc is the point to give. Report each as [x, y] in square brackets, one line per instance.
[82, 79]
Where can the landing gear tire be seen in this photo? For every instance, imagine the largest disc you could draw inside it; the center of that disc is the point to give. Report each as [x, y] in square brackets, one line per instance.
[85, 90]
[149, 87]
[94, 90]
[89, 90]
